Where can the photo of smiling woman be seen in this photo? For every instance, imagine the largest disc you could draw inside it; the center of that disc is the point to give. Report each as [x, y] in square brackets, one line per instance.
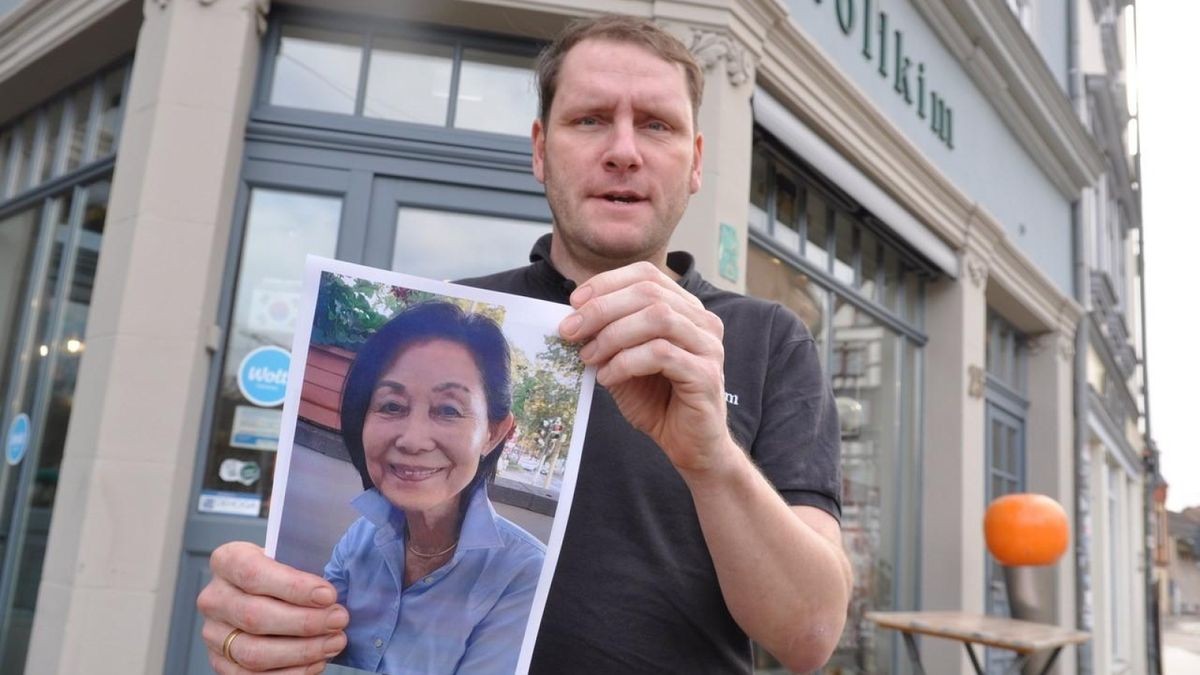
[434, 580]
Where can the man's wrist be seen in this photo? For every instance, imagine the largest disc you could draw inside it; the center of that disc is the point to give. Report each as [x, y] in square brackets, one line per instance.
[731, 465]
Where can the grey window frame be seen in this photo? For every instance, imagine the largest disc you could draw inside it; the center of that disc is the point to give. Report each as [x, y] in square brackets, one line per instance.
[368, 31]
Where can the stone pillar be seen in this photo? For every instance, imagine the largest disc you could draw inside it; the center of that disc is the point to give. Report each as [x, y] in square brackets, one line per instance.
[104, 604]
[714, 227]
[952, 545]
[1049, 452]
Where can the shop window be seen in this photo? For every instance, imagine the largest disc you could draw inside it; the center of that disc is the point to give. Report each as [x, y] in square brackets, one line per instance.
[281, 228]
[428, 78]
[481, 244]
[495, 93]
[51, 140]
[860, 295]
[317, 70]
[409, 81]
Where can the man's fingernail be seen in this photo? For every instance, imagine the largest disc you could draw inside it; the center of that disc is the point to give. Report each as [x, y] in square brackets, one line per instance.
[323, 596]
[581, 295]
[338, 618]
[571, 324]
[333, 646]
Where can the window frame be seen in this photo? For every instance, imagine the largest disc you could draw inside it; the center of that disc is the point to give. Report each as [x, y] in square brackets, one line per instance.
[368, 31]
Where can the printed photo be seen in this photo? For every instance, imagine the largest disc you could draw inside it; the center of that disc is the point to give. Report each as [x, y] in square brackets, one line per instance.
[428, 450]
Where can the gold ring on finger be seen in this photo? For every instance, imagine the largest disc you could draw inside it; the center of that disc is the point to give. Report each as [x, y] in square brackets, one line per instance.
[227, 648]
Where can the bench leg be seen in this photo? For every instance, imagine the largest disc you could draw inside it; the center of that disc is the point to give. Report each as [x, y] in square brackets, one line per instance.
[1050, 661]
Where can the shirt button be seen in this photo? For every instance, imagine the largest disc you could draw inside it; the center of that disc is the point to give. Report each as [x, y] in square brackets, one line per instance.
[378, 643]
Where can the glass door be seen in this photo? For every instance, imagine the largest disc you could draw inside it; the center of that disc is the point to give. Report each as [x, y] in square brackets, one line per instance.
[44, 299]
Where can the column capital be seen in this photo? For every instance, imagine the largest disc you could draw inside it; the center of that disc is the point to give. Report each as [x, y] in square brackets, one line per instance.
[712, 47]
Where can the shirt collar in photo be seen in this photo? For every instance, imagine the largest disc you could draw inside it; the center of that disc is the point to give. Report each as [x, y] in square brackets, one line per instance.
[479, 528]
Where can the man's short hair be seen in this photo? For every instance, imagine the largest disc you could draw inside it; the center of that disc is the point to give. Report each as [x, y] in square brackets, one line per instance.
[616, 28]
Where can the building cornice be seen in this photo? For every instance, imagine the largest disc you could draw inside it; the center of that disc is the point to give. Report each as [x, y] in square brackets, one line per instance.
[36, 28]
[1008, 69]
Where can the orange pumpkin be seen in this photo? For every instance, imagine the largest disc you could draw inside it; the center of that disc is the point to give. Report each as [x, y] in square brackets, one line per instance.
[1026, 529]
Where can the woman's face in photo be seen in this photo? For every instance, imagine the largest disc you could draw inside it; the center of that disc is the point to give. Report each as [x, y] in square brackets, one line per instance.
[426, 427]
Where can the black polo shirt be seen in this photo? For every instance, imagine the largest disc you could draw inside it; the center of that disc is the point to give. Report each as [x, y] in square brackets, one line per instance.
[635, 590]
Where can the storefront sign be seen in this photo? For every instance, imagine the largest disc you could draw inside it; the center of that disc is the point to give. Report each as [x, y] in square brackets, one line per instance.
[230, 503]
[262, 376]
[728, 252]
[255, 428]
[884, 45]
[236, 471]
[16, 442]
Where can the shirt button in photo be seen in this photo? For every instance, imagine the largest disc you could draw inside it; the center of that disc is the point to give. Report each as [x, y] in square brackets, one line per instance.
[378, 643]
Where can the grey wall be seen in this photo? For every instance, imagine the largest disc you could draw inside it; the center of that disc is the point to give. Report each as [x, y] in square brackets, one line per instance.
[1049, 32]
[987, 161]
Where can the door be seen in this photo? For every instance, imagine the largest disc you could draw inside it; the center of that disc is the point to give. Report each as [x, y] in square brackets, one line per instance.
[435, 229]
[50, 254]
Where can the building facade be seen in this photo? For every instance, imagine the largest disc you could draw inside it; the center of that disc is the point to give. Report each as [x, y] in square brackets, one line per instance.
[942, 190]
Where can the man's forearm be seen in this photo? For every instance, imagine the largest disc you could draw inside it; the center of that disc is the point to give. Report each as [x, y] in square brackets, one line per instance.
[782, 570]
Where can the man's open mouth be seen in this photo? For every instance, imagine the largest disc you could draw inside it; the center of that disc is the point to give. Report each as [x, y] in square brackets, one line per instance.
[622, 197]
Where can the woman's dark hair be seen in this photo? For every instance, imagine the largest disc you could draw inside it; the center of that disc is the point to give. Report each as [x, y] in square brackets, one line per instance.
[423, 322]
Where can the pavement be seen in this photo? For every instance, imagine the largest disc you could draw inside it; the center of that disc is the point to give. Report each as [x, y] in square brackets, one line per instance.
[1181, 645]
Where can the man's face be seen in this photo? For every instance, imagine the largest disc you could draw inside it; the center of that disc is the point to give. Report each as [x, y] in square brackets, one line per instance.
[618, 153]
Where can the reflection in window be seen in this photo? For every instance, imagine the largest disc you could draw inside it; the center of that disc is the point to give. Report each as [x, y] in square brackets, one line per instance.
[281, 228]
[6, 146]
[317, 70]
[817, 246]
[843, 262]
[769, 277]
[49, 153]
[758, 193]
[447, 245]
[787, 217]
[112, 92]
[409, 81]
[82, 106]
[23, 162]
[495, 93]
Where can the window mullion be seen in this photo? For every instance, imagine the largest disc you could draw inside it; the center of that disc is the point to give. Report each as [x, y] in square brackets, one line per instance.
[360, 94]
[455, 71]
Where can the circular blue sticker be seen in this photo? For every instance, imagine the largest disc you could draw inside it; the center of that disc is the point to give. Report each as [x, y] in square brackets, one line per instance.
[262, 376]
[16, 442]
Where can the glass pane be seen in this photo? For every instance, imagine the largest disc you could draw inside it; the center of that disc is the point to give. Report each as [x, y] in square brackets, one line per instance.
[49, 152]
[817, 246]
[317, 70]
[864, 368]
[1014, 454]
[82, 99]
[758, 192]
[786, 230]
[52, 366]
[843, 264]
[870, 265]
[496, 93]
[447, 245]
[891, 280]
[23, 166]
[112, 91]
[409, 81]
[281, 227]
[18, 234]
[6, 138]
[770, 278]
[912, 294]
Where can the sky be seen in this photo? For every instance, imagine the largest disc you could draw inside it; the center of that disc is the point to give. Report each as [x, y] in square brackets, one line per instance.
[1169, 117]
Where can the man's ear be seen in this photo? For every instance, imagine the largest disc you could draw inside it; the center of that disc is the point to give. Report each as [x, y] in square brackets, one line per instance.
[538, 137]
[697, 163]
[499, 432]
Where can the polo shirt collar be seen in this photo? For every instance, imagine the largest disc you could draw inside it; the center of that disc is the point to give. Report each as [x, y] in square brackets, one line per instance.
[680, 262]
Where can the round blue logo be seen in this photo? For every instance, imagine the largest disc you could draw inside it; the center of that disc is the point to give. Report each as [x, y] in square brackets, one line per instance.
[16, 443]
[262, 376]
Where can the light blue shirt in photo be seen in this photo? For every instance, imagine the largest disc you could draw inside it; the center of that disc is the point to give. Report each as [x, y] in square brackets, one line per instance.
[468, 616]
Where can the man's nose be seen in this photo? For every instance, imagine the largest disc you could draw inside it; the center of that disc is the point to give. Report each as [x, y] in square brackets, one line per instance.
[622, 153]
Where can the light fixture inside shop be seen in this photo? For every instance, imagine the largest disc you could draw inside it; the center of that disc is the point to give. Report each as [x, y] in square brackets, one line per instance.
[44, 350]
[74, 346]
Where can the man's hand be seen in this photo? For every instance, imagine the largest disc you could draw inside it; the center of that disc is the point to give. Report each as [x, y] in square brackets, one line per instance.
[660, 355]
[290, 620]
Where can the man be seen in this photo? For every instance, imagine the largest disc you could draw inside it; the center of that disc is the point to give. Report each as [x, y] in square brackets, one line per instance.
[694, 525]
